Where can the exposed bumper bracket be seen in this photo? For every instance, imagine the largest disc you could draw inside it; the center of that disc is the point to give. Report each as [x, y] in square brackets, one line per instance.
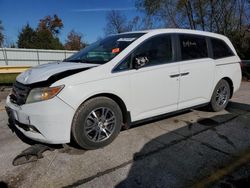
[31, 154]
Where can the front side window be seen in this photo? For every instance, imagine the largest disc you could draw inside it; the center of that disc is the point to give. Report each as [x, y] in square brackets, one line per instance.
[104, 50]
[220, 49]
[193, 47]
[158, 50]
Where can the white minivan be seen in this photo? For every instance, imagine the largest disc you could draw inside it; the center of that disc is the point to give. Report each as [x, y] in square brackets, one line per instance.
[120, 80]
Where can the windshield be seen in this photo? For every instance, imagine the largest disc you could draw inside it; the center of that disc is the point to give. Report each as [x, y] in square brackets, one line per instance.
[104, 50]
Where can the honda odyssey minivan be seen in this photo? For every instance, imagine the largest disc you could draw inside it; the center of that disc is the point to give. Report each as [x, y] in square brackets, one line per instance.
[120, 80]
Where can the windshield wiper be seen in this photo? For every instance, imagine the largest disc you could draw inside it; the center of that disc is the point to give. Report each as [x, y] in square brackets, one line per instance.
[78, 60]
[85, 61]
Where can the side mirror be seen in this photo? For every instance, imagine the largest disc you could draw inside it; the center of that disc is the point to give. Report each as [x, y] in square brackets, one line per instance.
[139, 62]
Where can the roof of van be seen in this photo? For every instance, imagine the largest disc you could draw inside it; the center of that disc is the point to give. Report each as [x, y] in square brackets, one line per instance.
[175, 30]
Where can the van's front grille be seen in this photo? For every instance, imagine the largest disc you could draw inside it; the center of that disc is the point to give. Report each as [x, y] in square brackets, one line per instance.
[19, 93]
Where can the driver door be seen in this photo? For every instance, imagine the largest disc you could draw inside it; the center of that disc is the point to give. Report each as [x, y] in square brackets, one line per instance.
[155, 86]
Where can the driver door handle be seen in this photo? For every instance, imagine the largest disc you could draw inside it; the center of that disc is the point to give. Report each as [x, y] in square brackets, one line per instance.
[174, 75]
[185, 74]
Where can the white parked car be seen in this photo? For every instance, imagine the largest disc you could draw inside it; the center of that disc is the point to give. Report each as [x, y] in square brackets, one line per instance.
[121, 80]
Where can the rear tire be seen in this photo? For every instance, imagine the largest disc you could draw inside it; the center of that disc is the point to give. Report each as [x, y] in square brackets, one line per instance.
[220, 96]
[96, 123]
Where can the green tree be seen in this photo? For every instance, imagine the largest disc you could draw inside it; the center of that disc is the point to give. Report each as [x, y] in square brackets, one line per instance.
[45, 40]
[1, 34]
[52, 24]
[46, 33]
[27, 37]
[45, 36]
[74, 41]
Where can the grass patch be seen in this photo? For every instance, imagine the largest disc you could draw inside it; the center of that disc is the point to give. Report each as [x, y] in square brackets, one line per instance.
[7, 78]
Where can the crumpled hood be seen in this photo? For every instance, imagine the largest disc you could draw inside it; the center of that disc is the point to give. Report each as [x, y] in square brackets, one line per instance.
[44, 72]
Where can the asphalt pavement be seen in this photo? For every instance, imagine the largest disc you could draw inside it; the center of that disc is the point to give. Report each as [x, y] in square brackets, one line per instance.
[196, 148]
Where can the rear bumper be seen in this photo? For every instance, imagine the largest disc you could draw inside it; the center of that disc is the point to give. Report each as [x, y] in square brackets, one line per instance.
[48, 121]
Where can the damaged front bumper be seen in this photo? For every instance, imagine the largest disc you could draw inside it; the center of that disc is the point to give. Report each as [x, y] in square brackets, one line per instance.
[47, 121]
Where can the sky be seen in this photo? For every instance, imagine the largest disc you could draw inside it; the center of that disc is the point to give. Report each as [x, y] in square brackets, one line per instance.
[85, 16]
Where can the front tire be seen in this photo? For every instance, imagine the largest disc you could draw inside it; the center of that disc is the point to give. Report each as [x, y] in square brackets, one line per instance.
[96, 123]
[220, 96]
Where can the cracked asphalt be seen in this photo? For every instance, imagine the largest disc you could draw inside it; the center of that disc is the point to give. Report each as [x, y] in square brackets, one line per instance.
[195, 148]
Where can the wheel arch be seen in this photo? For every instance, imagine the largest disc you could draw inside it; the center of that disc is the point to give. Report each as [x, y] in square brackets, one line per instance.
[230, 82]
[125, 113]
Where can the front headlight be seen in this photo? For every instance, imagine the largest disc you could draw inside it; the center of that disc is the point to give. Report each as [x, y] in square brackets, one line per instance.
[41, 94]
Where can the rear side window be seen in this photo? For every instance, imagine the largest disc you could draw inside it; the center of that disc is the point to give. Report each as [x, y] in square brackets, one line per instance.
[193, 47]
[220, 49]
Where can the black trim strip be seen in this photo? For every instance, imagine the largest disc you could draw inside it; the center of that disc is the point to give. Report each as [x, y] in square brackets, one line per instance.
[226, 64]
[166, 115]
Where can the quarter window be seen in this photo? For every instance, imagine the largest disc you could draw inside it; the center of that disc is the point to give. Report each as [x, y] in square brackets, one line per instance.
[193, 47]
[220, 49]
[125, 64]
